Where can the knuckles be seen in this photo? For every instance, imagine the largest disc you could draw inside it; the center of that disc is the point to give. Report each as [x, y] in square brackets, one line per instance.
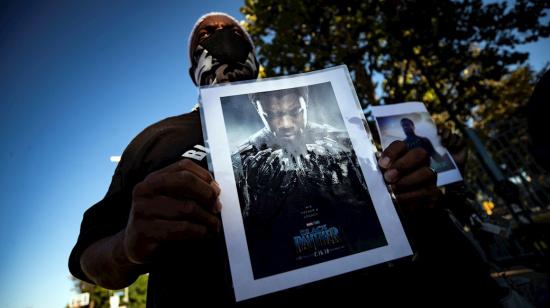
[423, 158]
[432, 176]
[187, 208]
[139, 189]
[187, 178]
[398, 146]
[185, 163]
[184, 227]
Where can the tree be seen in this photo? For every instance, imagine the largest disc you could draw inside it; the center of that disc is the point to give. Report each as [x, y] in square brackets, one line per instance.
[299, 36]
[99, 297]
[513, 91]
[446, 53]
[450, 54]
[138, 292]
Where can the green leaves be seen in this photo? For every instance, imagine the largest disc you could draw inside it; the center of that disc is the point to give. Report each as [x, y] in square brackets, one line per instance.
[444, 52]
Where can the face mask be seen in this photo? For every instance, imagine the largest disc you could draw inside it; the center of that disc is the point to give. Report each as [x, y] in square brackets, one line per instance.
[224, 56]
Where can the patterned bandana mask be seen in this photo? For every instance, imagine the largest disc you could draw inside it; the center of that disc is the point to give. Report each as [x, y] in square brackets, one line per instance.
[224, 56]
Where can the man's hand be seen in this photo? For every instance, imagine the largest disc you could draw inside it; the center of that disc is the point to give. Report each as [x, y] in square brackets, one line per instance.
[409, 174]
[178, 202]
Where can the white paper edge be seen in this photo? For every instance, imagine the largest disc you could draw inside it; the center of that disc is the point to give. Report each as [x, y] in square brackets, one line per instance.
[443, 178]
[243, 282]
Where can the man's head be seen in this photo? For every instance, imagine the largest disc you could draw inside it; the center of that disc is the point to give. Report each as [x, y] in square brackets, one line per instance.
[220, 50]
[408, 126]
[284, 112]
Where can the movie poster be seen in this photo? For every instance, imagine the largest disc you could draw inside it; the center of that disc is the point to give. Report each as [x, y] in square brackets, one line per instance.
[411, 123]
[302, 196]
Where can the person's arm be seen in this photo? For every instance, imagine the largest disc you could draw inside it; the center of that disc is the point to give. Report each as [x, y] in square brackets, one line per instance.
[441, 248]
[107, 264]
[178, 202]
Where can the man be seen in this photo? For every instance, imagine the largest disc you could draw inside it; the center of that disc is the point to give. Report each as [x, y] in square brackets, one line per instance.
[304, 199]
[161, 212]
[412, 140]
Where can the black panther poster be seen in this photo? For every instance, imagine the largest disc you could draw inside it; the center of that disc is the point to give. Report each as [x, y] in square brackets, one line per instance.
[303, 197]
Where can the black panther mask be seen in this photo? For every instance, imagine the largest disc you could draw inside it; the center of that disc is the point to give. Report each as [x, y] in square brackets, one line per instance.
[224, 56]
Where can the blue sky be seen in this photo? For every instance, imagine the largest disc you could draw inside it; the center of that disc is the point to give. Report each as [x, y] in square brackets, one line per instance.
[78, 80]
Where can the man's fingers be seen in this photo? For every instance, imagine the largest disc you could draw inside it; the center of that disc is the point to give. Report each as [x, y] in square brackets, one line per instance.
[391, 153]
[413, 159]
[166, 208]
[181, 185]
[189, 165]
[169, 230]
[419, 178]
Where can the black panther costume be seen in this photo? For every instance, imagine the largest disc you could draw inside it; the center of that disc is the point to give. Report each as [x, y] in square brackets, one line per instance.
[305, 202]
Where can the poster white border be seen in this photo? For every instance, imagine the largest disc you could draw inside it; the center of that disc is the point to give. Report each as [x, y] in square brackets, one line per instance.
[245, 286]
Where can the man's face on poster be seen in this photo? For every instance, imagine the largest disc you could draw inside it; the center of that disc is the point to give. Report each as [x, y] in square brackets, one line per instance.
[284, 116]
